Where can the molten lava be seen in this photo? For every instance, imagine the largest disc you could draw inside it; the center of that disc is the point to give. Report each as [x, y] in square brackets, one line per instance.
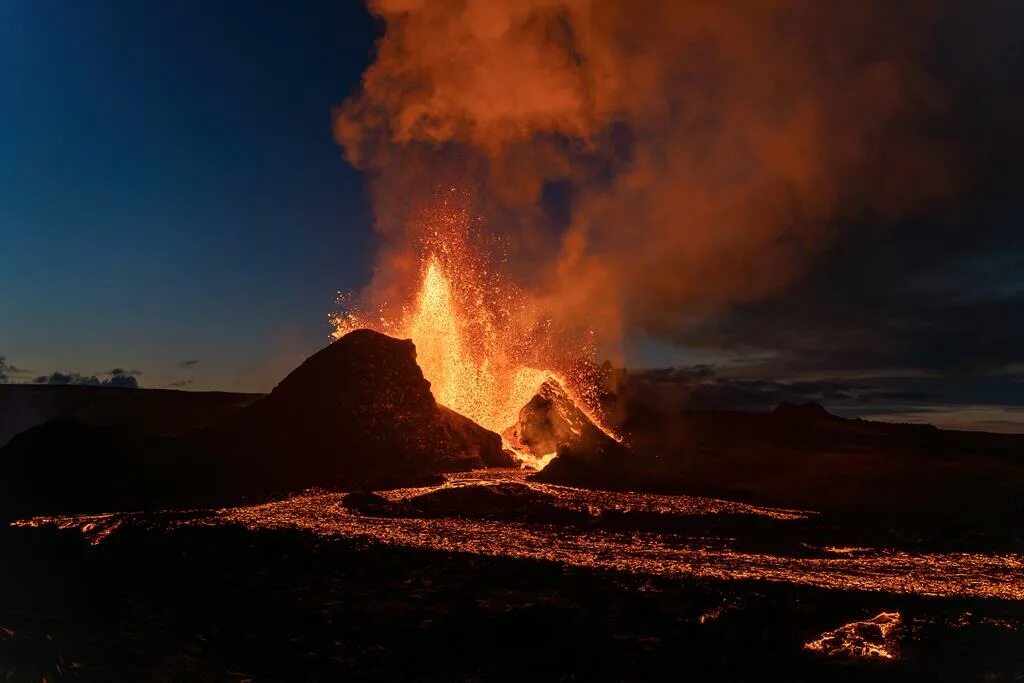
[466, 322]
[475, 379]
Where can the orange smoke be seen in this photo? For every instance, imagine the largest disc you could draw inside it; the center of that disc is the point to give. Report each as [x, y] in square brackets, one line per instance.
[710, 149]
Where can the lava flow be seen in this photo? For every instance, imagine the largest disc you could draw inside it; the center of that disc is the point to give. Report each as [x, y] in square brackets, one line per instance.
[467, 324]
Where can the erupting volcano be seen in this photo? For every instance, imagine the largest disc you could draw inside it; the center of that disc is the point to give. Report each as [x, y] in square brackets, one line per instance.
[485, 354]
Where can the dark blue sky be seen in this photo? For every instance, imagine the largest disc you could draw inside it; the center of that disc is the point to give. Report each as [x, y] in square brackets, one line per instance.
[170, 187]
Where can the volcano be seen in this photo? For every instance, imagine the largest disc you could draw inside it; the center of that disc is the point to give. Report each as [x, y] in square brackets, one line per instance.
[358, 413]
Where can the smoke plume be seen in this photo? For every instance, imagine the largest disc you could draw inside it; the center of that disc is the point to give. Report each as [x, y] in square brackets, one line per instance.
[650, 165]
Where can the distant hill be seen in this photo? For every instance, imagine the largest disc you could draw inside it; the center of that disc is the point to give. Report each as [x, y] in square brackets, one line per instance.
[157, 411]
[802, 456]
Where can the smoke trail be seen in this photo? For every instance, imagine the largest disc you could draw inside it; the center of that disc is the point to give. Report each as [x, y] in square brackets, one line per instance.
[704, 152]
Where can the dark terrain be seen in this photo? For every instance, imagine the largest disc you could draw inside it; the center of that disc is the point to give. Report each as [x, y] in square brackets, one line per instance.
[155, 411]
[225, 603]
[495, 577]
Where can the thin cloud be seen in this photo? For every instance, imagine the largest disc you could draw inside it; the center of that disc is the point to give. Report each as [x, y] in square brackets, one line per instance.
[116, 378]
[6, 369]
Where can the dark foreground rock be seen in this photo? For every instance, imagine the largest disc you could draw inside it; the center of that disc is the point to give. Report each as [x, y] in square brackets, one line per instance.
[215, 604]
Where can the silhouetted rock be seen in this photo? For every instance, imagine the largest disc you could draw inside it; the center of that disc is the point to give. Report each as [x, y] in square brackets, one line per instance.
[551, 422]
[505, 501]
[353, 415]
[585, 454]
[615, 468]
[809, 412]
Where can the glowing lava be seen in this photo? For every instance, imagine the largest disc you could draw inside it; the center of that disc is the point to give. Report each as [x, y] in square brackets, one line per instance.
[487, 387]
[870, 639]
[471, 343]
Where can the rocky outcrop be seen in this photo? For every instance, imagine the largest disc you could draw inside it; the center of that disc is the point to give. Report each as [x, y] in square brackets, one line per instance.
[357, 414]
[506, 501]
[552, 421]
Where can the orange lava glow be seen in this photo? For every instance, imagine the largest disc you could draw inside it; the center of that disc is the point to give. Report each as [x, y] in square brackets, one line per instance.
[870, 639]
[479, 379]
[481, 359]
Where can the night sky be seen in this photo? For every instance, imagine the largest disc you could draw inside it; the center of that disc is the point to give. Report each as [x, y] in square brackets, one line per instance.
[171, 189]
[173, 204]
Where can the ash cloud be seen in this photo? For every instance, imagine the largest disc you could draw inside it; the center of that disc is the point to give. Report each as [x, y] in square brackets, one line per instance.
[660, 170]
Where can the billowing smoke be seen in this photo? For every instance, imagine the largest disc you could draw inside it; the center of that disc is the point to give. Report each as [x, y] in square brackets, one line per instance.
[648, 165]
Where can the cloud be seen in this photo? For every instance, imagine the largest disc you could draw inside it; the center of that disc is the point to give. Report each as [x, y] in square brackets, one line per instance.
[188, 363]
[180, 384]
[60, 378]
[6, 370]
[116, 378]
[121, 372]
[124, 381]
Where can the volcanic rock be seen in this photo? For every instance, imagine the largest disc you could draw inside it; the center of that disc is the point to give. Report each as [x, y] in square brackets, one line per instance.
[808, 412]
[552, 421]
[366, 502]
[357, 414]
[504, 501]
[585, 454]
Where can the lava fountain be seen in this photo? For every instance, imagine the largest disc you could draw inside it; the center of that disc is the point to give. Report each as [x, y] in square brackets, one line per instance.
[484, 387]
[471, 342]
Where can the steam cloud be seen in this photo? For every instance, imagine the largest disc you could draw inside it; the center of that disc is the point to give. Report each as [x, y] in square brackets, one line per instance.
[703, 152]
